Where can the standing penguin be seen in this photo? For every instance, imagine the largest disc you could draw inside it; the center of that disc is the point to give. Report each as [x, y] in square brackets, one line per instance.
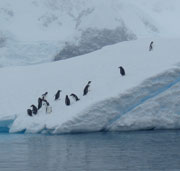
[67, 100]
[44, 95]
[34, 109]
[86, 89]
[29, 112]
[46, 102]
[39, 103]
[57, 95]
[122, 71]
[151, 46]
[75, 97]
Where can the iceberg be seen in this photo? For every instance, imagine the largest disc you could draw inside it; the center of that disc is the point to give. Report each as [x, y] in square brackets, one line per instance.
[146, 98]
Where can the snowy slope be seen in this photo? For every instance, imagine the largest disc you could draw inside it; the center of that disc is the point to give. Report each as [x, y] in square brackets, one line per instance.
[34, 31]
[146, 98]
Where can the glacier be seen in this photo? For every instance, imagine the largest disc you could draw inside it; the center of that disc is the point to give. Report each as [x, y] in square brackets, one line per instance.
[147, 98]
[41, 31]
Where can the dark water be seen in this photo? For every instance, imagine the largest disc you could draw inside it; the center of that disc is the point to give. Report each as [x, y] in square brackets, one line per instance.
[128, 151]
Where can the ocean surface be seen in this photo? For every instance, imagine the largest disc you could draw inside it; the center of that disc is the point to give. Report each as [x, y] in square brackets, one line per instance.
[126, 151]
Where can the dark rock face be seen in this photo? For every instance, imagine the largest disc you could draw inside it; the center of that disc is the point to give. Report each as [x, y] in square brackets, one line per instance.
[94, 39]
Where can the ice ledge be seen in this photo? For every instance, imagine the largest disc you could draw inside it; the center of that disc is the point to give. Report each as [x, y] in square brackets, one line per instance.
[6, 123]
[154, 104]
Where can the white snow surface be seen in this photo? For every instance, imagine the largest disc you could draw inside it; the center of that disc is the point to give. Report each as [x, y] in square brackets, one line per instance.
[34, 31]
[146, 98]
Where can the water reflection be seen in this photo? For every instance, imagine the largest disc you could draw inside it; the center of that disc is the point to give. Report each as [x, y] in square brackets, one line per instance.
[146, 150]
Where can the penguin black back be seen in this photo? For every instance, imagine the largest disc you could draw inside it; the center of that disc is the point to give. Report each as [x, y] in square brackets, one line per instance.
[39, 103]
[44, 95]
[34, 109]
[67, 100]
[151, 46]
[29, 112]
[46, 102]
[75, 96]
[57, 95]
[89, 82]
[122, 71]
[86, 89]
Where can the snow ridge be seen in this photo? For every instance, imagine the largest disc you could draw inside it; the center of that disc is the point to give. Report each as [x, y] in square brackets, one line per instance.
[141, 101]
[104, 115]
[6, 123]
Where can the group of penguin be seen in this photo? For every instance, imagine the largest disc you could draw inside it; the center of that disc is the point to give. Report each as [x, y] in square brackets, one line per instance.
[42, 101]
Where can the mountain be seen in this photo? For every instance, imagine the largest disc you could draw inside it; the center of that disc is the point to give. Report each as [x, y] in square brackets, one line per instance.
[147, 97]
[38, 31]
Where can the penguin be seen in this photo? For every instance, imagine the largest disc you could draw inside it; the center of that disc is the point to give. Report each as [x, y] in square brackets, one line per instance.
[57, 95]
[151, 46]
[44, 95]
[86, 89]
[29, 112]
[75, 97]
[39, 103]
[89, 82]
[122, 71]
[34, 109]
[46, 102]
[67, 100]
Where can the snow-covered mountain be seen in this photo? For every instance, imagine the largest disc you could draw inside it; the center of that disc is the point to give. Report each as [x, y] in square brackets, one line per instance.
[36, 31]
[42, 31]
[147, 97]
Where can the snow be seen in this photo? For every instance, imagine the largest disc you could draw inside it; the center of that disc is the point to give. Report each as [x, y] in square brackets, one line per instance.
[33, 32]
[46, 19]
[32, 27]
[146, 98]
